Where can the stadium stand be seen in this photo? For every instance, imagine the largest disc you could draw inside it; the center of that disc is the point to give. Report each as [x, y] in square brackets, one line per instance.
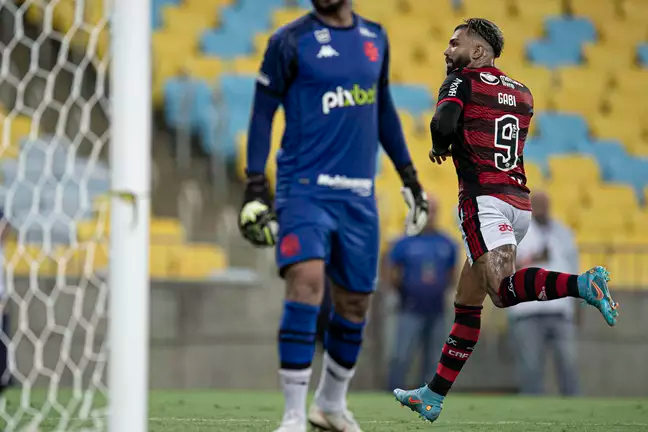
[588, 139]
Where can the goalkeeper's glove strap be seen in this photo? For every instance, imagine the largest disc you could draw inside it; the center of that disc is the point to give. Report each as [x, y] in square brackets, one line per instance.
[410, 179]
[257, 188]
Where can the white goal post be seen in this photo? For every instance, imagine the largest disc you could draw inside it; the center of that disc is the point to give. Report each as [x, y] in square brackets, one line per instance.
[75, 179]
[130, 206]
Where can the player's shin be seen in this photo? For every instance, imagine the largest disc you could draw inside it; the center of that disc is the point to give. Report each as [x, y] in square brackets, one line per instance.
[343, 342]
[457, 348]
[296, 349]
[532, 284]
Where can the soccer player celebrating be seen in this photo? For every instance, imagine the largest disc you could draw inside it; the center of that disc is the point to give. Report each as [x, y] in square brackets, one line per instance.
[482, 120]
[329, 69]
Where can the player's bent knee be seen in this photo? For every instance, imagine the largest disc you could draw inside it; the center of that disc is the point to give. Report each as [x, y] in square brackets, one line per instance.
[305, 282]
[351, 306]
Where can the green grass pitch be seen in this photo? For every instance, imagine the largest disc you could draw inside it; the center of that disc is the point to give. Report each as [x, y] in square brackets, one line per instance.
[237, 411]
[259, 411]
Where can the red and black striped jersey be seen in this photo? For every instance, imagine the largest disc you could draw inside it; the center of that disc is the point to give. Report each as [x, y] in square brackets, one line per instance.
[490, 136]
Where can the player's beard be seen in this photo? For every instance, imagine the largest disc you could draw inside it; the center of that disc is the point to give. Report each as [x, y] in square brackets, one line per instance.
[328, 7]
[460, 62]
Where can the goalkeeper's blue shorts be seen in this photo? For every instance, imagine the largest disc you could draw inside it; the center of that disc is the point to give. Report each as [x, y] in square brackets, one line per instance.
[345, 234]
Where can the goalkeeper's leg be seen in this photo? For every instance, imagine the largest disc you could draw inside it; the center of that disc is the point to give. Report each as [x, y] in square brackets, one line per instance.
[297, 337]
[352, 270]
[304, 232]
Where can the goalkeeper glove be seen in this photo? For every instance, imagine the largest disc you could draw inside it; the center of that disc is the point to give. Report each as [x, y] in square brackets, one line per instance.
[416, 200]
[257, 221]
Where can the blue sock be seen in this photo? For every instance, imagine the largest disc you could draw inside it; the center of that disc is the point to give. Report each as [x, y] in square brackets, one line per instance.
[297, 335]
[343, 341]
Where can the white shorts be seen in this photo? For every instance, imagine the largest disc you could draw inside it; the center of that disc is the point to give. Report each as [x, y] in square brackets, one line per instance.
[487, 223]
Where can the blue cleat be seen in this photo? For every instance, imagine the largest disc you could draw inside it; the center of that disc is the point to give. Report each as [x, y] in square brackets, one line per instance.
[593, 288]
[422, 401]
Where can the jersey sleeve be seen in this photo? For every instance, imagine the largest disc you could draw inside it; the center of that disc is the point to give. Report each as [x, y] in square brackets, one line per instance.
[279, 65]
[384, 70]
[390, 130]
[455, 88]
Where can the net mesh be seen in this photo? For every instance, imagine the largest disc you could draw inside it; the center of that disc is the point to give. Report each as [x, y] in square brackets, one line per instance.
[53, 146]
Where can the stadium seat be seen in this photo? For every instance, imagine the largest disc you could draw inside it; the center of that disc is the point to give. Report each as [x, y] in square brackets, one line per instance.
[281, 17]
[616, 32]
[184, 100]
[525, 10]
[631, 171]
[226, 44]
[625, 129]
[157, 7]
[237, 93]
[170, 51]
[562, 131]
[553, 54]
[567, 30]
[375, 10]
[597, 56]
[600, 13]
[578, 100]
[631, 82]
[640, 224]
[204, 68]
[207, 6]
[199, 261]
[579, 170]
[610, 197]
[19, 127]
[585, 78]
[162, 230]
[412, 98]
[187, 21]
[248, 65]
[534, 175]
[642, 54]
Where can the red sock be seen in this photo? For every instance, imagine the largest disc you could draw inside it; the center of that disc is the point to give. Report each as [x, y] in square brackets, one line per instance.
[458, 347]
[532, 284]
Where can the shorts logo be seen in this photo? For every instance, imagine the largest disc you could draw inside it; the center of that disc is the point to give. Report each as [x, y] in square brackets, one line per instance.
[505, 228]
[371, 51]
[290, 246]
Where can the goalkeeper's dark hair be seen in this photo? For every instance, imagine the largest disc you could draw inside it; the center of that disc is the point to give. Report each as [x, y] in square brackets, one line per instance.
[487, 30]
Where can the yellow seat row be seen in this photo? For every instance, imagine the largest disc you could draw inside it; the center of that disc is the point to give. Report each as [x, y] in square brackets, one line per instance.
[162, 230]
[173, 261]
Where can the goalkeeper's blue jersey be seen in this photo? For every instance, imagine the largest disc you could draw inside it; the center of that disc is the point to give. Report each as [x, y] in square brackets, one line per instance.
[330, 81]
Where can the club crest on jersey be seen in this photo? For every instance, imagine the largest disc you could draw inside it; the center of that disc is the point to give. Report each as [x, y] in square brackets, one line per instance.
[371, 51]
[489, 78]
[323, 36]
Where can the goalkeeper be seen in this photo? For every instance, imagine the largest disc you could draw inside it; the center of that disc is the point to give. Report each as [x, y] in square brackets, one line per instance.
[329, 70]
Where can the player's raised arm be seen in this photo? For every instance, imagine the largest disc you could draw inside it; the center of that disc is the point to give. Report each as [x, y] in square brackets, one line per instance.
[256, 219]
[391, 137]
[453, 95]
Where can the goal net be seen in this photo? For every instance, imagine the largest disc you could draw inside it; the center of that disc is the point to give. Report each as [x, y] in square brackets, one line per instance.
[61, 220]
